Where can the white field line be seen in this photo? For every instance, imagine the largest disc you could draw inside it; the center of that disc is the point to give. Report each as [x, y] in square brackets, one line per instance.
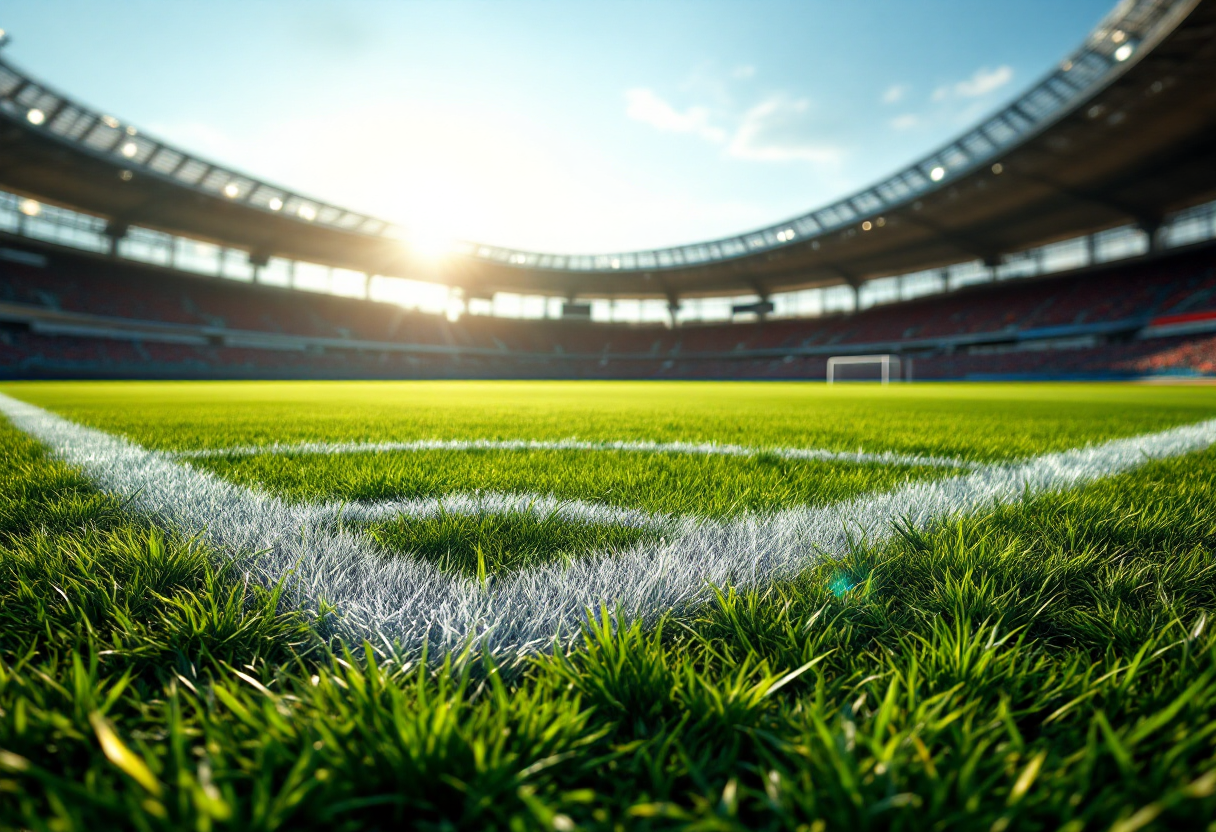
[699, 448]
[407, 604]
[540, 506]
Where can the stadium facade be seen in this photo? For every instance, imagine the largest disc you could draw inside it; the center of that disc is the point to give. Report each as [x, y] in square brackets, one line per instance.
[1070, 234]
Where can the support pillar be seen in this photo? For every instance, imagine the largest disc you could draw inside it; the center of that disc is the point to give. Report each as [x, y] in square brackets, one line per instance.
[992, 262]
[1151, 226]
[115, 231]
[258, 261]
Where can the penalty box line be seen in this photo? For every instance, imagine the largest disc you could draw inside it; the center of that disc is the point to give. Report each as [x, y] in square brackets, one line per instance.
[640, 446]
[406, 605]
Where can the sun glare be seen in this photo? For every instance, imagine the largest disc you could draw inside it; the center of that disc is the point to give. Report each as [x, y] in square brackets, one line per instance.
[425, 245]
[430, 246]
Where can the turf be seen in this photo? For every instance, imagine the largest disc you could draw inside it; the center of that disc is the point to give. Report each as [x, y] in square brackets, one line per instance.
[976, 421]
[497, 544]
[1049, 665]
[708, 486]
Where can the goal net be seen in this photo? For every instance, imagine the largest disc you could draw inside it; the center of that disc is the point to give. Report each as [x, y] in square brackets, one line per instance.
[885, 368]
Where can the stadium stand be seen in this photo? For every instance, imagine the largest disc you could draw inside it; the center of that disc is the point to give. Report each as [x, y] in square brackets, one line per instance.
[89, 316]
[1114, 143]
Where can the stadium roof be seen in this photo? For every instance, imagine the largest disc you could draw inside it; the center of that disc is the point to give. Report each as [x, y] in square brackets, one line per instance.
[1122, 131]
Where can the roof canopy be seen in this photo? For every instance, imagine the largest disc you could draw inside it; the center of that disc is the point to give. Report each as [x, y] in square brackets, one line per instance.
[1123, 130]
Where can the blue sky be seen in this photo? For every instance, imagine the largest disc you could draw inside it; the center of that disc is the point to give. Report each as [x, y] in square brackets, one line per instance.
[574, 126]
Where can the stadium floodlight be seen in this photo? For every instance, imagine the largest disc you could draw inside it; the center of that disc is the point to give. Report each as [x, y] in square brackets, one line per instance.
[275, 204]
[883, 360]
[1124, 52]
[231, 190]
[307, 212]
[30, 207]
[937, 174]
[35, 116]
[130, 149]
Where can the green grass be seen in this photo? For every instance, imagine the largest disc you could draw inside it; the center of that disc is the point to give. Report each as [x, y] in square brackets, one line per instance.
[979, 421]
[709, 486]
[1050, 665]
[482, 545]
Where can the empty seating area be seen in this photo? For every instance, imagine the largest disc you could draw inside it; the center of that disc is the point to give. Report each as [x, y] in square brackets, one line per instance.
[344, 337]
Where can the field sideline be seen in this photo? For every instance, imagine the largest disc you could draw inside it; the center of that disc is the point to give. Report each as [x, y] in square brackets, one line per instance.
[607, 605]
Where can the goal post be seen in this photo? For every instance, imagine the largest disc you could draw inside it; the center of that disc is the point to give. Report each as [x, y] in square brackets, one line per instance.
[886, 363]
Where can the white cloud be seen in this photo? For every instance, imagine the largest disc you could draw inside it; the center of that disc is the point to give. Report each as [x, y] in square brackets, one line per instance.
[982, 82]
[744, 72]
[906, 121]
[895, 93]
[645, 106]
[774, 131]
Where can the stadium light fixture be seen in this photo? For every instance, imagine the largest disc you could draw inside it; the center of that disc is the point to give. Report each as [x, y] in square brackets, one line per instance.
[937, 174]
[307, 212]
[275, 204]
[867, 225]
[880, 222]
[110, 121]
[998, 168]
[126, 176]
[130, 149]
[30, 207]
[35, 116]
[231, 190]
[1124, 52]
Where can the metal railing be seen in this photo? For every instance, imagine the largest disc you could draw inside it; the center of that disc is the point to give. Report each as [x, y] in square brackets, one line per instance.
[1111, 45]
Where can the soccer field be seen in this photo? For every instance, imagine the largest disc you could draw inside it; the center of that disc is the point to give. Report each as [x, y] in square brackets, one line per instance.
[519, 605]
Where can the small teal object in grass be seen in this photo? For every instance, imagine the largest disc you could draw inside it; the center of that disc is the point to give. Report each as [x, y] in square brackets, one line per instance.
[841, 584]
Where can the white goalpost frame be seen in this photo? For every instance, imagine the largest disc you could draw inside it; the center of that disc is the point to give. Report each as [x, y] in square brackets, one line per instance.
[884, 360]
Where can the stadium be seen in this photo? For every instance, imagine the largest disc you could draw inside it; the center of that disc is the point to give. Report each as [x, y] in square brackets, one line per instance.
[601, 540]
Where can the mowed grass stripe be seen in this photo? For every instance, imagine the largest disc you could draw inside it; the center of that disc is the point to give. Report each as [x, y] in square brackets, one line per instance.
[978, 422]
[1046, 665]
[409, 606]
[701, 485]
[651, 447]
